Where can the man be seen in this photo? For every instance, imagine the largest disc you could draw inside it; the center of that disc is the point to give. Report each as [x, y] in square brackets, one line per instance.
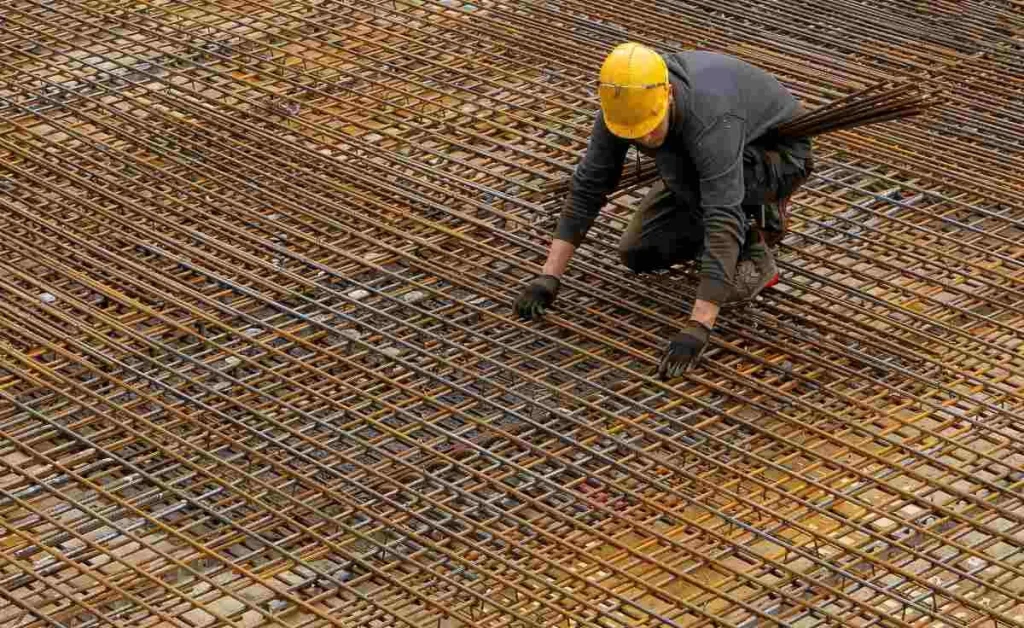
[707, 120]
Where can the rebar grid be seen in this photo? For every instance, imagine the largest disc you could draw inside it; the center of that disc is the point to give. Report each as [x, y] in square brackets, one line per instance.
[258, 365]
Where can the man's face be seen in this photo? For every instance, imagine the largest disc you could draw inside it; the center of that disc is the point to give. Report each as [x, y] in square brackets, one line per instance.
[656, 138]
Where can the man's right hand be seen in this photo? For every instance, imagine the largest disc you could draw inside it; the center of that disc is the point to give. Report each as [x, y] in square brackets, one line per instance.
[536, 297]
[684, 350]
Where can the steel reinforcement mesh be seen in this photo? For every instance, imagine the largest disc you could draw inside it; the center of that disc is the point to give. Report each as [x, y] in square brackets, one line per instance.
[258, 365]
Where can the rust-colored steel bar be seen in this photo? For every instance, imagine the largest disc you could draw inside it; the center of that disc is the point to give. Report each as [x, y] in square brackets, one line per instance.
[257, 365]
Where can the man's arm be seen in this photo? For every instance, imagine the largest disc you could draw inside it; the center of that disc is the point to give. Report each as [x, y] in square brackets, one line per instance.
[596, 176]
[558, 258]
[705, 312]
[718, 156]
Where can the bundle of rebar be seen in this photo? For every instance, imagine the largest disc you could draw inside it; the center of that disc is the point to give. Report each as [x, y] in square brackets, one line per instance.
[873, 105]
[258, 365]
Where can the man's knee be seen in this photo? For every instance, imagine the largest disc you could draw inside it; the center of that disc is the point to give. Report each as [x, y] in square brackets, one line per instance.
[646, 257]
[640, 258]
[638, 253]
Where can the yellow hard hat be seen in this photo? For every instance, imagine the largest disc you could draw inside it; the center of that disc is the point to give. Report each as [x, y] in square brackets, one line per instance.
[634, 90]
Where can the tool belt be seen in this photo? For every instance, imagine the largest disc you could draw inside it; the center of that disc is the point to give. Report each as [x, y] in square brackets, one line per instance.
[785, 173]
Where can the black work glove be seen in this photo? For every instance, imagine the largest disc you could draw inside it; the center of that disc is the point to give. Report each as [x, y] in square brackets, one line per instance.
[537, 296]
[684, 350]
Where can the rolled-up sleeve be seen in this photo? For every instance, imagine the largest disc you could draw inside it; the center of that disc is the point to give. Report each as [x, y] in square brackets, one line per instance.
[596, 176]
[718, 155]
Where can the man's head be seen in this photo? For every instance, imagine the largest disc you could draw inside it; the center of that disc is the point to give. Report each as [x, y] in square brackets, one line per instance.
[635, 94]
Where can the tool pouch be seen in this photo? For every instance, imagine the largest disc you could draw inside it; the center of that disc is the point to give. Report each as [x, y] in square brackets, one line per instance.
[787, 173]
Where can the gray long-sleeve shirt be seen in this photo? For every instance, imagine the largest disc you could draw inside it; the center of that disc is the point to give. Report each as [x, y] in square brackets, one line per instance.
[721, 104]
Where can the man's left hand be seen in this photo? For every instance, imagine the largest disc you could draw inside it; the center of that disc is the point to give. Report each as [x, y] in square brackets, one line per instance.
[684, 350]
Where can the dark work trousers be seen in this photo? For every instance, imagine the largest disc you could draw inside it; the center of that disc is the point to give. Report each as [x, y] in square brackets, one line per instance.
[667, 230]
